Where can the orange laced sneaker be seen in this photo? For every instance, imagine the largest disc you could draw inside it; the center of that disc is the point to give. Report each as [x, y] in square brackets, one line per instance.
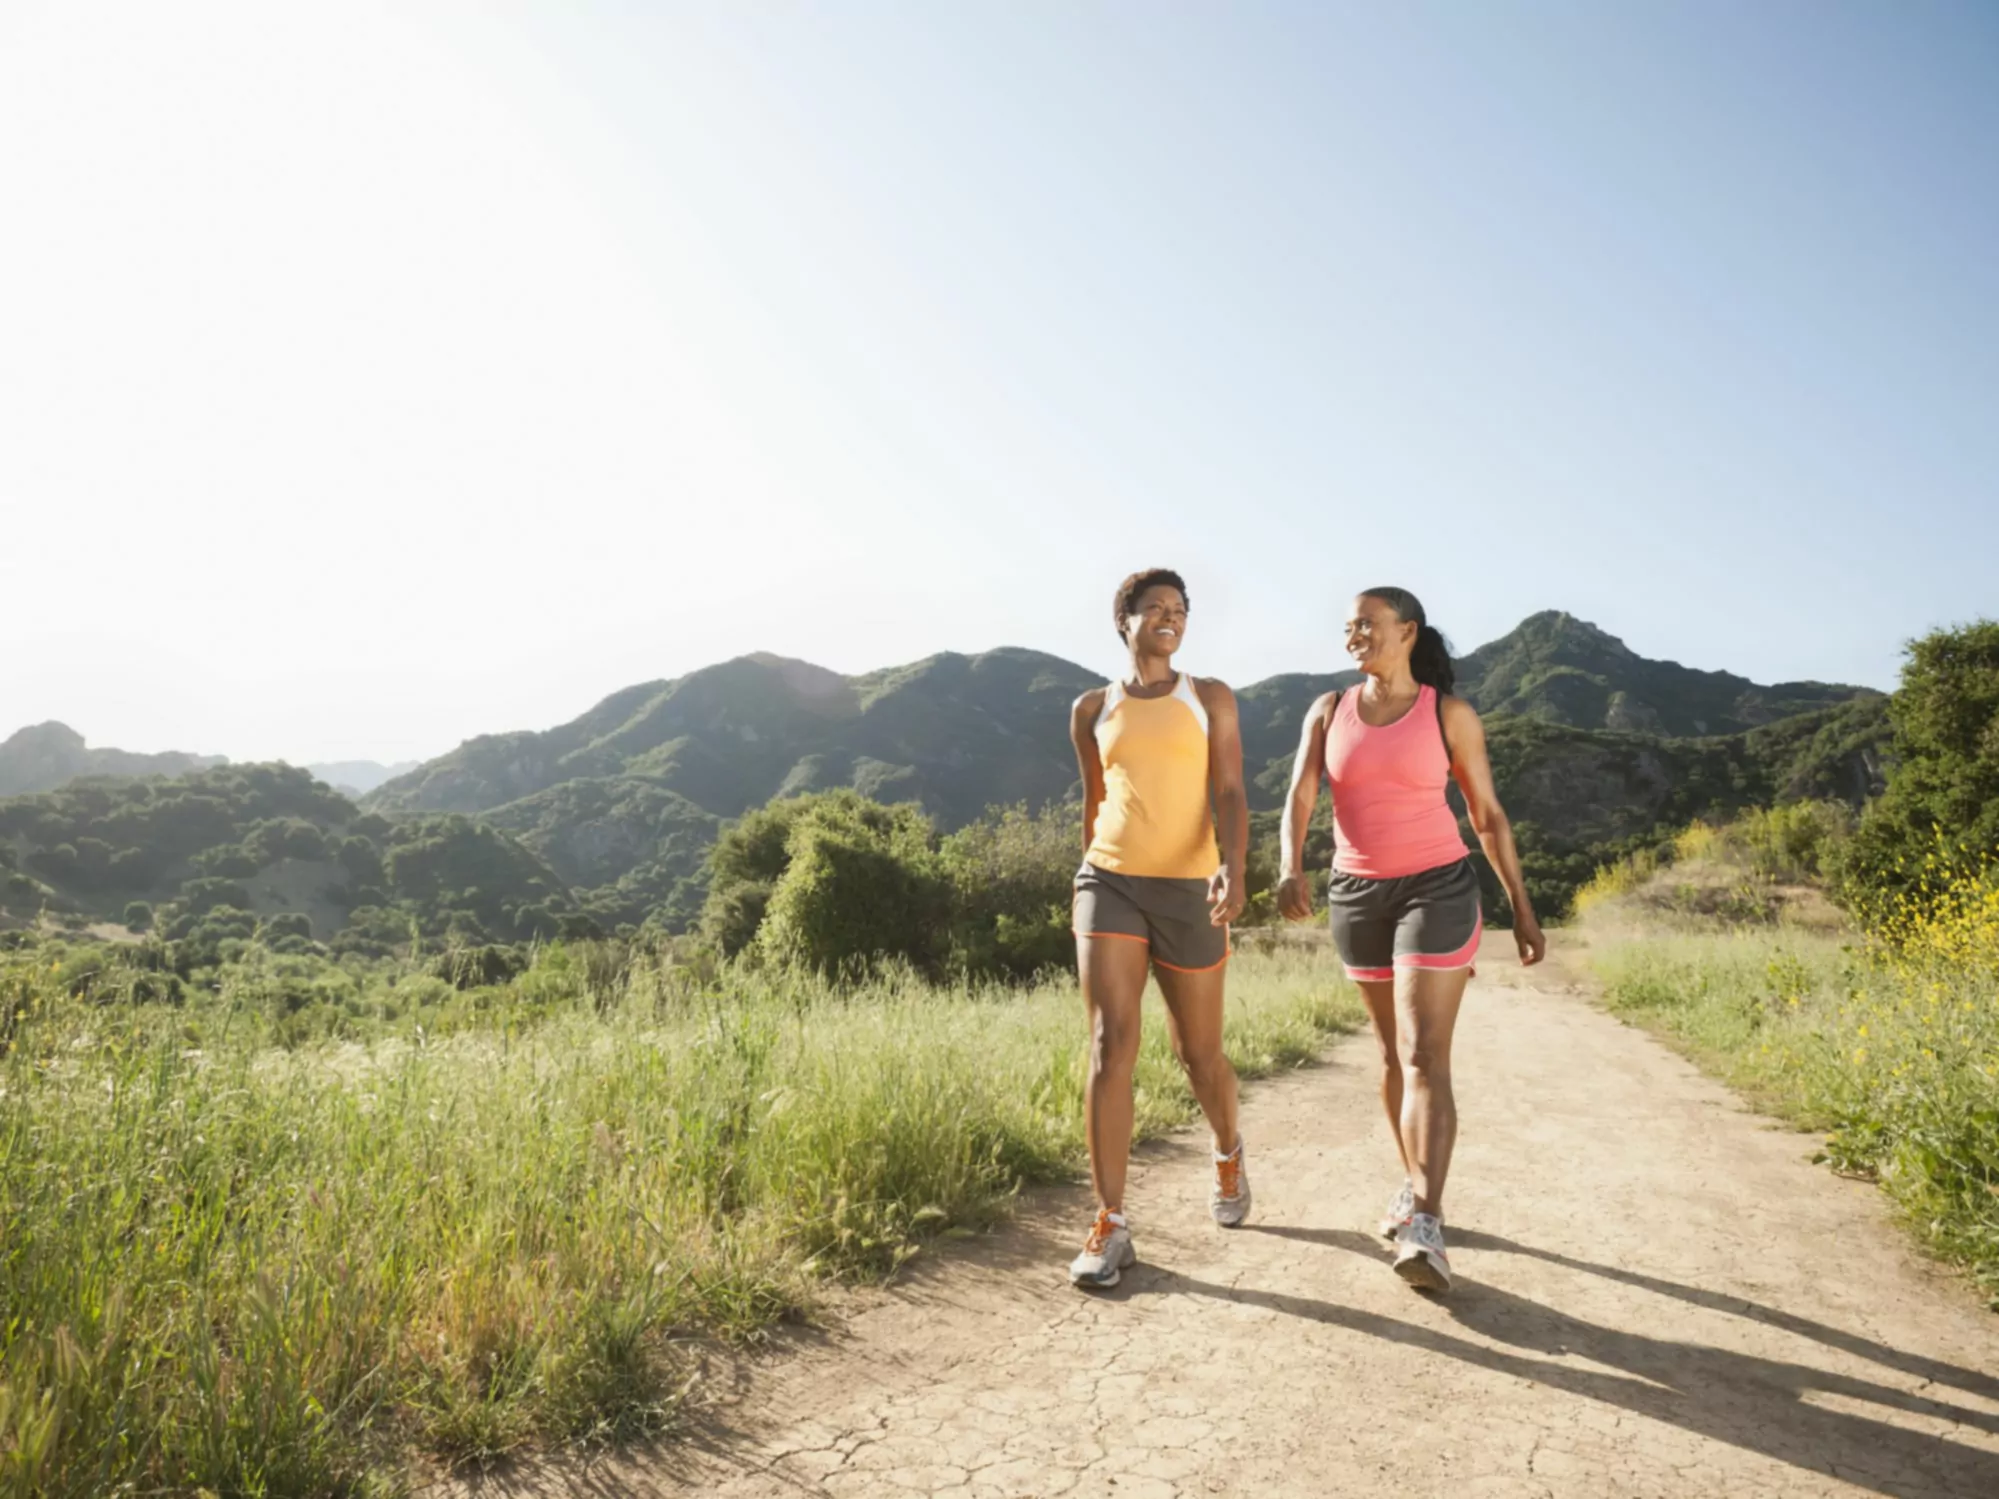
[1106, 1253]
[1228, 1201]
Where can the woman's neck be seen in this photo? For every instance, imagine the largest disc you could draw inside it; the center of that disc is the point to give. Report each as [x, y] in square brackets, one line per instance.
[1393, 686]
[1150, 671]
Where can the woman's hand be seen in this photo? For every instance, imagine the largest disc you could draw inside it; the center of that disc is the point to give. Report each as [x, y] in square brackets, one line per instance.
[1225, 896]
[1294, 897]
[1527, 934]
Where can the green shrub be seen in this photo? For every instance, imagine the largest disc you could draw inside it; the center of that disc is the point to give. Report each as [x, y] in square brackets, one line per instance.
[861, 885]
[1946, 776]
[1012, 877]
[732, 913]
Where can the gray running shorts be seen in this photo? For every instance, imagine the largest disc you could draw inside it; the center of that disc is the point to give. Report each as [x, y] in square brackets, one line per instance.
[1170, 916]
[1426, 920]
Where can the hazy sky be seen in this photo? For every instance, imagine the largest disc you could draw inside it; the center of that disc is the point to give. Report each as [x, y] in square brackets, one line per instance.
[371, 377]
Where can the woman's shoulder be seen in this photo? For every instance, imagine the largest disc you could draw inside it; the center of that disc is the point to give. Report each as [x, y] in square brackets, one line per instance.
[1088, 706]
[1213, 692]
[1455, 709]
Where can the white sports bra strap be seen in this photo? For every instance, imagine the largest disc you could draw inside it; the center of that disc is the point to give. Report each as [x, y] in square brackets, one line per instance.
[1113, 695]
[1184, 690]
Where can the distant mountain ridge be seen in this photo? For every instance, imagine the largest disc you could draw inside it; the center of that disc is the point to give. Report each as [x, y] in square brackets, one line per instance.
[630, 793]
[609, 817]
[356, 778]
[47, 755]
[956, 733]
[1561, 669]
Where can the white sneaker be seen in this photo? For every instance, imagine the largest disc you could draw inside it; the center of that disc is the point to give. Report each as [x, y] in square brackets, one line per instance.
[1106, 1254]
[1399, 1210]
[1228, 1198]
[1419, 1253]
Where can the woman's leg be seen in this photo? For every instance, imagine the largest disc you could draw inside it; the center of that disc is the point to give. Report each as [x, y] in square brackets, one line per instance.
[1194, 1018]
[1426, 1017]
[1379, 997]
[1113, 971]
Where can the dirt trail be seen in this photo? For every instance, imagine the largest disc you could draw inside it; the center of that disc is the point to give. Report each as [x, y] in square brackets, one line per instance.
[1658, 1295]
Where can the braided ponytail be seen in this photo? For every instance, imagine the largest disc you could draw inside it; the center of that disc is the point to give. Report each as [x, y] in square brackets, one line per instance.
[1430, 657]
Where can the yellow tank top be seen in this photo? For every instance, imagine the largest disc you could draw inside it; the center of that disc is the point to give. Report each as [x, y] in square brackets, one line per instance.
[1155, 820]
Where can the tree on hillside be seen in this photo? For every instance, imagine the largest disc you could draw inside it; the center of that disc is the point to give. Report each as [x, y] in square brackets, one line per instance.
[1945, 784]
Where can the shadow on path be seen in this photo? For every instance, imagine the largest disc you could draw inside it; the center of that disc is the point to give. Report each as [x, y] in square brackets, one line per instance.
[1971, 1381]
[1747, 1401]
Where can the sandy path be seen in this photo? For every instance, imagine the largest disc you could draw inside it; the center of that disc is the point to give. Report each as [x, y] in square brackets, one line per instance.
[1657, 1295]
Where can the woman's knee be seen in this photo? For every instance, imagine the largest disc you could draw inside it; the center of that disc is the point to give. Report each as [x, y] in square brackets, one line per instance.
[1422, 1060]
[1391, 1058]
[1113, 1043]
[1203, 1064]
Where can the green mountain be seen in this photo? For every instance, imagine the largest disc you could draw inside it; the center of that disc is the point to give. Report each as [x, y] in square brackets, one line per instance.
[625, 801]
[608, 819]
[238, 845]
[1560, 669]
[1557, 669]
[45, 756]
[1592, 745]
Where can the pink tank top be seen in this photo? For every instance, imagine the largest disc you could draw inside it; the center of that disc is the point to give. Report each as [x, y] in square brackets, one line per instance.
[1389, 813]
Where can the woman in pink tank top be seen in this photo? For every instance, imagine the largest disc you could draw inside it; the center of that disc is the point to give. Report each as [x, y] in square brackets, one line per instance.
[1403, 894]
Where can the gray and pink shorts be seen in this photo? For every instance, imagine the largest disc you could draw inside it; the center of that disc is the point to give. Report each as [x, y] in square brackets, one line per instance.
[1427, 920]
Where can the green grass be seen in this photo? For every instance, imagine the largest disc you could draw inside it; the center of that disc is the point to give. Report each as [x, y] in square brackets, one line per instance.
[252, 1271]
[1894, 1058]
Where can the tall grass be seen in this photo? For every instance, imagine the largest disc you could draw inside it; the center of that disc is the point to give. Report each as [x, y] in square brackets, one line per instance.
[258, 1272]
[1885, 1037]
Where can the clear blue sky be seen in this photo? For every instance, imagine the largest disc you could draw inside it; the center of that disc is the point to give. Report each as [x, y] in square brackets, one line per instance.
[383, 380]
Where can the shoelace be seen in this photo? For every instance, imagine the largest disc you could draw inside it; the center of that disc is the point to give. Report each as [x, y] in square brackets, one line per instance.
[1100, 1234]
[1228, 1175]
[1427, 1232]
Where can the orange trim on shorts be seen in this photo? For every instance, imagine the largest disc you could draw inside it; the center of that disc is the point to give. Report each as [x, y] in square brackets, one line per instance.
[1162, 963]
[1121, 936]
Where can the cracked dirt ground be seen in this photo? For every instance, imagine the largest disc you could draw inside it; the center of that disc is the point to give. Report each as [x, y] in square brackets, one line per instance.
[1657, 1295]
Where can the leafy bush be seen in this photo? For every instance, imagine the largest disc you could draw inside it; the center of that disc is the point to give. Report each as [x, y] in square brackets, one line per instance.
[1946, 717]
[200, 896]
[1012, 878]
[733, 912]
[861, 883]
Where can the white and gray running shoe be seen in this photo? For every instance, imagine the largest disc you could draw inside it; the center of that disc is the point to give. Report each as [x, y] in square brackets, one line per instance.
[1228, 1198]
[1419, 1253]
[1106, 1254]
[1399, 1210]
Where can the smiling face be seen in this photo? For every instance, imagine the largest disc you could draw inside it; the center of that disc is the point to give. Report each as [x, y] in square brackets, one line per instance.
[1157, 621]
[1378, 639]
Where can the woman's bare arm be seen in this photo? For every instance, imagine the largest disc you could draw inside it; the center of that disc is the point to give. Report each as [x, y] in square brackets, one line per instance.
[1308, 765]
[1089, 764]
[1230, 889]
[1473, 772]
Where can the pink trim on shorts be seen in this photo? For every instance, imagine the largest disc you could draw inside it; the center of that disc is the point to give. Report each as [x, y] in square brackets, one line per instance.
[1369, 975]
[1464, 957]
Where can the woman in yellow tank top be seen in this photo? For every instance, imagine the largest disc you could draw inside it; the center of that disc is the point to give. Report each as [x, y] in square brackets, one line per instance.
[1161, 761]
